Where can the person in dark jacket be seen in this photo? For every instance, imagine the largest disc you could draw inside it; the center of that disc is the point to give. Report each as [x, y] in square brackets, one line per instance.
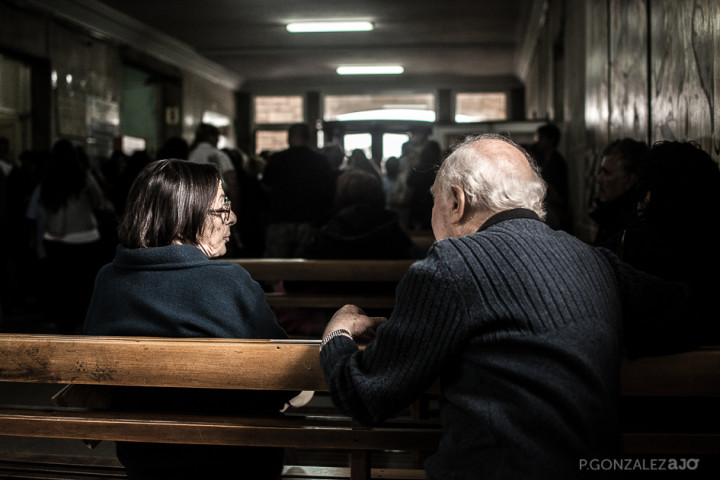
[616, 201]
[300, 185]
[163, 283]
[675, 234]
[361, 227]
[520, 324]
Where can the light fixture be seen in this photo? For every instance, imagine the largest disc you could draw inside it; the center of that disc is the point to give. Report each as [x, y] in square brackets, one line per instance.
[330, 26]
[370, 70]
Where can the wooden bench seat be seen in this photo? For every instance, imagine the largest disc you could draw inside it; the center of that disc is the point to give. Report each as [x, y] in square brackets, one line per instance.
[305, 270]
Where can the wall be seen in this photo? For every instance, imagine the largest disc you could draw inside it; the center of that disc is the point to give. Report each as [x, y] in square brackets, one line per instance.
[646, 69]
[201, 95]
[685, 71]
[85, 88]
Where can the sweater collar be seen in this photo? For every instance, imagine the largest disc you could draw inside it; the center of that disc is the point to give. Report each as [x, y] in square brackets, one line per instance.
[159, 258]
[511, 214]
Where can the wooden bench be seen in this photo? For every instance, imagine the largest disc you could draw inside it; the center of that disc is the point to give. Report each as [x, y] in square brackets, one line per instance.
[292, 365]
[194, 363]
[305, 270]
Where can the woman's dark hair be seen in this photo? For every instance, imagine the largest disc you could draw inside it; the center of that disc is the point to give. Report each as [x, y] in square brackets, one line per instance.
[683, 181]
[358, 186]
[64, 176]
[168, 202]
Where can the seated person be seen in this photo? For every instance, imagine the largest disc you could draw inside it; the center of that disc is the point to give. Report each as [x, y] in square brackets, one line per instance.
[162, 283]
[359, 228]
[674, 236]
[617, 188]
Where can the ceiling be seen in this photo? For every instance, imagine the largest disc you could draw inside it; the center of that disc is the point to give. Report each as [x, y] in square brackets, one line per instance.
[448, 41]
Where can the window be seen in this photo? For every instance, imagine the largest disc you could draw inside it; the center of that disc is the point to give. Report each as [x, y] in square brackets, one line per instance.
[270, 141]
[480, 107]
[380, 107]
[272, 117]
[286, 109]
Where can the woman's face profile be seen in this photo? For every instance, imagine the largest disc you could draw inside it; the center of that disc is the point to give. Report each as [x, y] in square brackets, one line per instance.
[216, 232]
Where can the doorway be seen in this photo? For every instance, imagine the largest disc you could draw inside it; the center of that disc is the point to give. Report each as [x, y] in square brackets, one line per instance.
[379, 140]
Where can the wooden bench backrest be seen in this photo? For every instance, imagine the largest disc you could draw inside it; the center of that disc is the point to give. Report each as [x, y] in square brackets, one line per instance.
[688, 374]
[297, 269]
[134, 361]
[269, 364]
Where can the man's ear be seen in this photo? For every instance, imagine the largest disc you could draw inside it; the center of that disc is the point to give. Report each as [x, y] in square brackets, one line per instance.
[457, 197]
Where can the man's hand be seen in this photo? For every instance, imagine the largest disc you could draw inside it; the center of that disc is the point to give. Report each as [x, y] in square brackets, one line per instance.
[354, 320]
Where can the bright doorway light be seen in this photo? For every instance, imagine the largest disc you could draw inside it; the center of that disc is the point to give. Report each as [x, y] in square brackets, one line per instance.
[370, 69]
[389, 114]
[361, 141]
[334, 26]
[222, 122]
[392, 144]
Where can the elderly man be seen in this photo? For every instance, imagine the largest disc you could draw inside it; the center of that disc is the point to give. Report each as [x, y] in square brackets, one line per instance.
[521, 325]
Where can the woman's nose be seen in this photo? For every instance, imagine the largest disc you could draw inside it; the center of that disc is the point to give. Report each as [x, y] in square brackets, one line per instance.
[233, 218]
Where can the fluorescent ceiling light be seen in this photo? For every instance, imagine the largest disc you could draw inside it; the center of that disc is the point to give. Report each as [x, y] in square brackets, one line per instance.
[310, 27]
[370, 70]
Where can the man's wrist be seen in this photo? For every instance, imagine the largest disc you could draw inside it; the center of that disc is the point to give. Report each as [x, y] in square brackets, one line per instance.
[335, 333]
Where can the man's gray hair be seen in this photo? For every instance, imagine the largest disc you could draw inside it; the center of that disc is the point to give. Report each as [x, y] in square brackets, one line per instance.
[486, 184]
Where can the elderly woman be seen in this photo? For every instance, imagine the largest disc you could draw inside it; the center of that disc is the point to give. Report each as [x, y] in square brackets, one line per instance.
[163, 283]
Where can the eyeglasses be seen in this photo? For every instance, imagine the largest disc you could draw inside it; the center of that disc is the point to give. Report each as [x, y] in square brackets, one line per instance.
[223, 212]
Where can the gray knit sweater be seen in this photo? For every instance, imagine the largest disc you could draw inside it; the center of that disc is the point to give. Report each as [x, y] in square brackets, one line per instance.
[522, 325]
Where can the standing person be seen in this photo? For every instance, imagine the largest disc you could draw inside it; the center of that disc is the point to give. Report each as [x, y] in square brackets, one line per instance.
[419, 181]
[520, 324]
[70, 197]
[163, 283]
[553, 170]
[12, 200]
[301, 187]
[360, 225]
[204, 149]
[617, 188]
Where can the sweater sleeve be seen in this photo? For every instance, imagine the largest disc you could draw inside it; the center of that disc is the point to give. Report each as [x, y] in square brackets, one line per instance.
[408, 353]
[658, 316]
